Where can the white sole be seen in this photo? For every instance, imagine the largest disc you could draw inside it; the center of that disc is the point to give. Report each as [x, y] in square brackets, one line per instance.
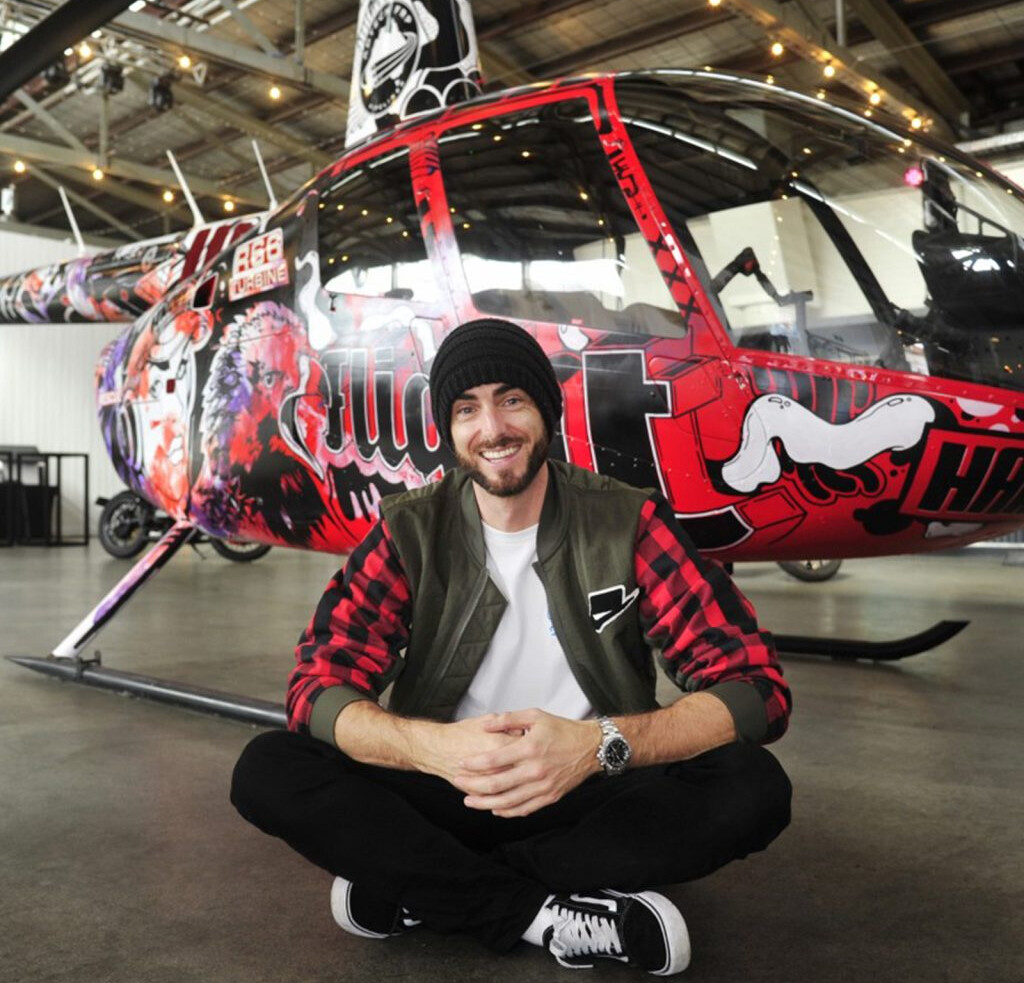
[672, 924]
[342, 914]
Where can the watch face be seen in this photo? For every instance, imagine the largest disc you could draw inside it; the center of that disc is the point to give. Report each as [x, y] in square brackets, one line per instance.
[616, 753]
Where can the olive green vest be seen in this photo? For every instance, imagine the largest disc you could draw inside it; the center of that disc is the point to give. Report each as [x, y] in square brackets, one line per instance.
[585, 545]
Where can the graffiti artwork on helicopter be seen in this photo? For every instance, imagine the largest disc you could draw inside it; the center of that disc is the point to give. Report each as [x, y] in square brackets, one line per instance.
[921, 458]
[408, 59]
[146, 394]
[118, 286]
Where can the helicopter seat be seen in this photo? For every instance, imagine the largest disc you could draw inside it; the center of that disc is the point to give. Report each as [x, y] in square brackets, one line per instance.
[976, 281]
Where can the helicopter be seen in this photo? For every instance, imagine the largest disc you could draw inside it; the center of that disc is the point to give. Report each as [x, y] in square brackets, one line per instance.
[801, 325]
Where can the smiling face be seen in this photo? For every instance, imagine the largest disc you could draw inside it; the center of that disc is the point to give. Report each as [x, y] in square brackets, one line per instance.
[499, 436]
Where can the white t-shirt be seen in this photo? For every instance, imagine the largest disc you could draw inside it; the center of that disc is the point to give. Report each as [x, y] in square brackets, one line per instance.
[525, 666]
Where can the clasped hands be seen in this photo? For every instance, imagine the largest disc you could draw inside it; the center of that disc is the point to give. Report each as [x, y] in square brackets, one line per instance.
[516, 762]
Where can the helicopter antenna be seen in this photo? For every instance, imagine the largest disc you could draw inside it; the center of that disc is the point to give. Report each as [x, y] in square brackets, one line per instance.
[71, 219]
[197, 216]
[266, 178]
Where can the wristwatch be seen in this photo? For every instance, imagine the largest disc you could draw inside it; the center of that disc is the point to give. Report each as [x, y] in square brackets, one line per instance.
[614, 752]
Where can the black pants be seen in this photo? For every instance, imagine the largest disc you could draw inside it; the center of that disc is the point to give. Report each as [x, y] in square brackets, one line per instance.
[407, 837]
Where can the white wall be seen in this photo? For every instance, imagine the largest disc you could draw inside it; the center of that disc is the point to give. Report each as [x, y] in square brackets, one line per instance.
[46, 383]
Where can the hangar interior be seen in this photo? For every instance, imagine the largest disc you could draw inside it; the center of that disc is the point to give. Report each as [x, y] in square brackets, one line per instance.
[122, 858]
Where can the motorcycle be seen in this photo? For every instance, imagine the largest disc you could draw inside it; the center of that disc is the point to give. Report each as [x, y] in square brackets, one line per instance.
[128, 524]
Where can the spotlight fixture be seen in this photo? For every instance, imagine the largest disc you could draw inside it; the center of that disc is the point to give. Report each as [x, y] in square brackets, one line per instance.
[875, 99]
[97, 174]
[917, 122]
[19, 167]
[275, 92]
[111, 78]
[56, 75]
[168, 196]
[184, 62]
[85, 51]
[161, 98]
[829, 70]
[777, 49]
[229, 205]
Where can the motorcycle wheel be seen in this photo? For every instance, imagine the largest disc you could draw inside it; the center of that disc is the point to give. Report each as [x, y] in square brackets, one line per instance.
[239, 550]
[811, 571]
[124, 525]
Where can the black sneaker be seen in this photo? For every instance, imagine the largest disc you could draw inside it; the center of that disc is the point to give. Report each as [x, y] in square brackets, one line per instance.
[361, 913]
[645, 930]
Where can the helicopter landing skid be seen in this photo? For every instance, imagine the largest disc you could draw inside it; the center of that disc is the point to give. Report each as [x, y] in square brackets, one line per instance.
[852, 648]
[90, 673]
[67, 661]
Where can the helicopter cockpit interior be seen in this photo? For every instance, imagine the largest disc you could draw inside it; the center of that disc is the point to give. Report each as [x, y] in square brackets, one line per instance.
[831, 237]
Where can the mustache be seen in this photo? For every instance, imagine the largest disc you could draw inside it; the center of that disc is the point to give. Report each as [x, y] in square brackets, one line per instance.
[500, 444]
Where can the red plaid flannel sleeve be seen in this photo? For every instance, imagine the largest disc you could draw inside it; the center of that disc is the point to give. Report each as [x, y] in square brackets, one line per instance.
[358, 630]
[705, 628]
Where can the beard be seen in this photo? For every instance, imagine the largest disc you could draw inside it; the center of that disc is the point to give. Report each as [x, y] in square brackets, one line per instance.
[511, 484]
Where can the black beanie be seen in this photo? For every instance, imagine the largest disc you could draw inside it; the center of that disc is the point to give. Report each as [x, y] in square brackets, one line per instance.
[488, 350]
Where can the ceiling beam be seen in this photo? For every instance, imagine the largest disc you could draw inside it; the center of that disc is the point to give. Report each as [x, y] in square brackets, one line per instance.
[240, 118]
[53, 153]
[920, 14]
[251, 29]
[51, 122]
[913, 58]
[41, 174]
[125, 192]
[497, 68]
[176, 38]
[62, 235]
[526, 15]
[808, 37]
[976, 61]
[624, 44]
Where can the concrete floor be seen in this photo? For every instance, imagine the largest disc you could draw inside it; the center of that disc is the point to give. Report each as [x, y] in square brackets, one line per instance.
[121, 859]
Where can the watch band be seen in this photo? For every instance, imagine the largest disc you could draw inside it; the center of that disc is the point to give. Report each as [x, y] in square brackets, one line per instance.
[614, 752]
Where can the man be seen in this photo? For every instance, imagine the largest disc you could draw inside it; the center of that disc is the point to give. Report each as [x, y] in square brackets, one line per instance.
[523, 783]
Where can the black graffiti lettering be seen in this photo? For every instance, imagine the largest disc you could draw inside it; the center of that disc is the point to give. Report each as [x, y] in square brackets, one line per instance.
[384, 400]
[620, 398]
[961, 473]
[426, 460]
[334, 364]
[352, 366]
[625, 177]
[360, 405]
[1004, 488]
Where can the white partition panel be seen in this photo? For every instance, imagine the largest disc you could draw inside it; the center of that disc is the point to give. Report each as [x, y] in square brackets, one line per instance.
[46, 382]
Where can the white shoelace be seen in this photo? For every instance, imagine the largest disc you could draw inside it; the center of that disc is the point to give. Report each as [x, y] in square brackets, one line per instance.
[580, 934]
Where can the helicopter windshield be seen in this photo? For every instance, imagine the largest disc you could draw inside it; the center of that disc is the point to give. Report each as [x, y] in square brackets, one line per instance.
[543, 229]
[819, 233]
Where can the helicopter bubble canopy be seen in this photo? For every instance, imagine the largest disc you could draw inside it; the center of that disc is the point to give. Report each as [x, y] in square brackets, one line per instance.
[823, 234]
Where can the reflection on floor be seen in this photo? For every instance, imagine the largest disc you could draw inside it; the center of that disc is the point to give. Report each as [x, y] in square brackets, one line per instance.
[122, 860]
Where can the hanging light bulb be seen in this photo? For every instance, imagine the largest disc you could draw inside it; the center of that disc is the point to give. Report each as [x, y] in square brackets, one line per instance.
[829, 71]
[19, 167]
[229, 205]
[97, 174]
[275, 92]
[184, 62]
[168, 196]
[778, 49]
